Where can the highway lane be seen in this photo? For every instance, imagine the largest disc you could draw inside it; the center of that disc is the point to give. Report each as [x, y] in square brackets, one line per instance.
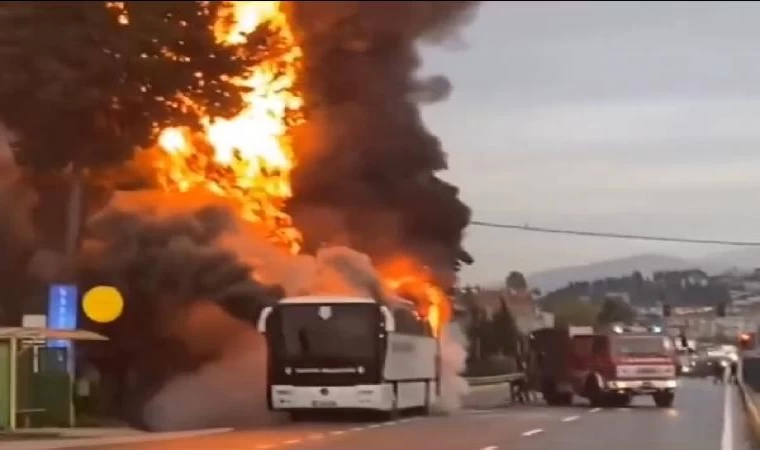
[705, 417]
[695, 423]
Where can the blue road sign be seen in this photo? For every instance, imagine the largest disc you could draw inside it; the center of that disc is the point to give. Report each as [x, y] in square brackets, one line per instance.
[63, 308]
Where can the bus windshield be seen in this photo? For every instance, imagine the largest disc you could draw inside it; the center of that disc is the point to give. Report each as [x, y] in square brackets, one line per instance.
[325, 333]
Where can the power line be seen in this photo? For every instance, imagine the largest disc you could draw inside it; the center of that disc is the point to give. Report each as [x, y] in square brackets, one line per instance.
[639, 237]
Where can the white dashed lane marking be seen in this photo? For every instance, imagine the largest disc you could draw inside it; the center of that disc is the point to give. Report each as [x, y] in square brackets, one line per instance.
[316, 436]
[533, 432]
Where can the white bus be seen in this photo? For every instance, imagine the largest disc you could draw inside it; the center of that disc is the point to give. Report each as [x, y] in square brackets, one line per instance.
[337, 353]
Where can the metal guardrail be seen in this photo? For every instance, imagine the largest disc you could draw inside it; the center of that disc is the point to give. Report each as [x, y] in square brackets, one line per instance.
[495, 379]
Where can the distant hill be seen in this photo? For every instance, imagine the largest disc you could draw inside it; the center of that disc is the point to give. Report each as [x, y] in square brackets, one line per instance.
[743, 258]
[551, 279]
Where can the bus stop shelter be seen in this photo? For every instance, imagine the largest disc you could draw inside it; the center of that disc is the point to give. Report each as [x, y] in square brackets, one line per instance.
[37, 379]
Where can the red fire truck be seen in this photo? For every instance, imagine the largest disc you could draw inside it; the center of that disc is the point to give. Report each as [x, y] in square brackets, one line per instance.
[606, 366]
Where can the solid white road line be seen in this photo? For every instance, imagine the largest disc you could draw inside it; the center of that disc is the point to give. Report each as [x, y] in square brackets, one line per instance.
[727, 440]
[491, 447]
[571, 418]
[536, 431]
[595, 410]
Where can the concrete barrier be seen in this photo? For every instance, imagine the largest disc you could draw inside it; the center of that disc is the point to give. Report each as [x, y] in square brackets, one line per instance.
[749, 386]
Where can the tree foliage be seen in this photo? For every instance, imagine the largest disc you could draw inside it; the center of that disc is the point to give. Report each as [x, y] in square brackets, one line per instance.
[81, 85]
[505, 333]
[616, 311]
[575, 312]
[516, 281]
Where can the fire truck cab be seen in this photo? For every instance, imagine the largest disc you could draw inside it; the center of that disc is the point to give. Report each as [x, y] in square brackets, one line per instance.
[608, 366]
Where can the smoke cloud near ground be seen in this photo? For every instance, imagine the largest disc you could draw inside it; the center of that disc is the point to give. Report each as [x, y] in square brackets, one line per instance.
[228, 392]
[365, 177]
[24, 261]
[453, 360]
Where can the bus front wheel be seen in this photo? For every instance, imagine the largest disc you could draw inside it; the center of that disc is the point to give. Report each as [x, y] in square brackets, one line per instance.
[298, 416]
[393, 413]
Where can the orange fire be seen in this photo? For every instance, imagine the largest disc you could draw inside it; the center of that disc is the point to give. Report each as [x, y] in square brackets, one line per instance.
[249, 158]
[406, 277]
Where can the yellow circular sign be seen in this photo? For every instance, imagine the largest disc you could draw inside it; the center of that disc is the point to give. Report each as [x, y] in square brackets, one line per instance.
[103, 304]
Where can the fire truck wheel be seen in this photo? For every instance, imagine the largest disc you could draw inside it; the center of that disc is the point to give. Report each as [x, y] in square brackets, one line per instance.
[593, 392]
[564, 399]
[550, 393]
[664, 399]
[298, 416]
[622, 400]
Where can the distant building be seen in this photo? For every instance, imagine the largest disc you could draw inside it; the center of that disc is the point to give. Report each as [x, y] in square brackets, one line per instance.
[520, 303]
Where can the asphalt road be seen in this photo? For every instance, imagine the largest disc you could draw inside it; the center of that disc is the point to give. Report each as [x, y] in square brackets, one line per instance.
[705, 417]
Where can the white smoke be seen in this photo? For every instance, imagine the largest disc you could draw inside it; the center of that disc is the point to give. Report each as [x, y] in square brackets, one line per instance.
[230, 392]
[453, 360]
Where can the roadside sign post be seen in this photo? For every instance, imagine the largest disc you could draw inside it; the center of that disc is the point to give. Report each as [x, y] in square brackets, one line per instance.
[63, 310]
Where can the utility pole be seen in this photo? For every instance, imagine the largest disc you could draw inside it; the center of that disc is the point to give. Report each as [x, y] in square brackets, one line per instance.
[71, 249]
[73, 219]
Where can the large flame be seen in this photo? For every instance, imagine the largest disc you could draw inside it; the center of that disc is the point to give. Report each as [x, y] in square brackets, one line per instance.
[406, 277]
[249, 158]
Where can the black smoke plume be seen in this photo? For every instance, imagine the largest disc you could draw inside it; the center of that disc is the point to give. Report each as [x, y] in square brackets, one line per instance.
[367, 163]
[186, 298]
[365, 179]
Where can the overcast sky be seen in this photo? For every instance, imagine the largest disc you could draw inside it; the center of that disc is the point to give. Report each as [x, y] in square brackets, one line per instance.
[624, 117]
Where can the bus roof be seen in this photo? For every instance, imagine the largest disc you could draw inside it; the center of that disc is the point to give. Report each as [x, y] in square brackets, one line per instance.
[324, 299]
[395, 303]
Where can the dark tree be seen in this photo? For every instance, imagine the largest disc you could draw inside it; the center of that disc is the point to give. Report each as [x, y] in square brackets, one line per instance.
[516, 281]
[638, 280]
[571, 311]
[505, 332]
[616, 311]
[86, 83]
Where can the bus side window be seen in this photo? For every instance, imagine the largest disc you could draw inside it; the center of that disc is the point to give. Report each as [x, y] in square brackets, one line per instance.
[408, 323]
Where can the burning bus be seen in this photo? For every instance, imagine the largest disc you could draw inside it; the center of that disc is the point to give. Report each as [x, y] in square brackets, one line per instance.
[349, 353]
